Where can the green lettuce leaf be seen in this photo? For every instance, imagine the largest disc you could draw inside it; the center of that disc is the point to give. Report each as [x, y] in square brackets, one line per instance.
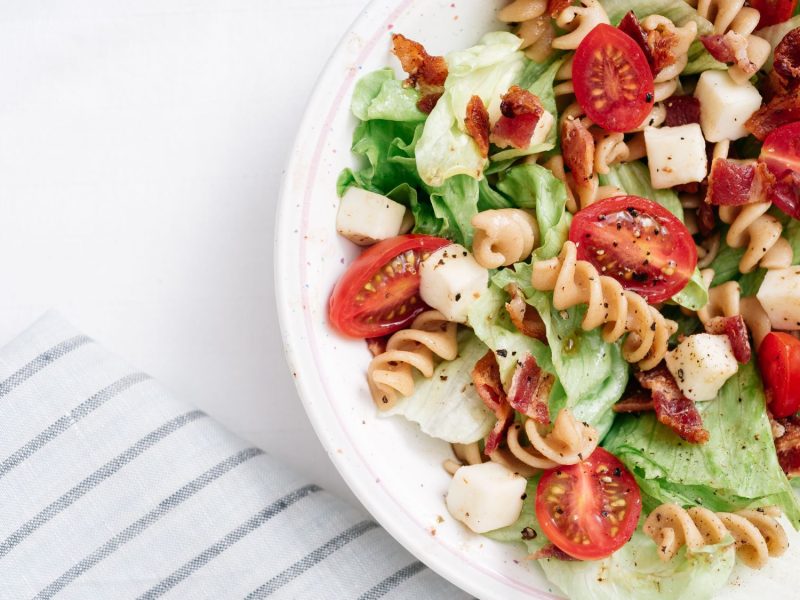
[695, 295]
[533, 538]
[446, 406]
[454, 204]
[380, 95]
[737, 468]
[677, 11]
[635, 572]
[486, 70]
[701, 60]
[775, 33]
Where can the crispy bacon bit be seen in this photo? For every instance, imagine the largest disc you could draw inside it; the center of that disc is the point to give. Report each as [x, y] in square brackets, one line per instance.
[427, 103]
[425, 72]
[784, 108]
[706, 219]
[786, 193]
[673, 409]
[486, 377]
[556, 7]
[736, 330]
[635, 399]
[477, 124]
[718, 48]
[632, 28]
[524, 316]
[787, 56]
[682, 110]
[662, 43]
[577, 146]
[521, 111]
[733, 184]
[377, 345]
[551, 551]
[787, 446]
[530, 390]
[730, 48]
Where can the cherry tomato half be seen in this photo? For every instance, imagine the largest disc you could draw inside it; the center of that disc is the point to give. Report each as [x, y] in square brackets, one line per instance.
[637, 242]
[781, 149]
[589, 510]
[779, 361]
[774, 11]
[612, 78]
[379, 292]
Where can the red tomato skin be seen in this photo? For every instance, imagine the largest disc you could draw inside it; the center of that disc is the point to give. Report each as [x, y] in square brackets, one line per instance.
[774, 11]
[779, 361]
[781, 149]
[592, 516]
[674, 240]
[344, 312]
[623, 114]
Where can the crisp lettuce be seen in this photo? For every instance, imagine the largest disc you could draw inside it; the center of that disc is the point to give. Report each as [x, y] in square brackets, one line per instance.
[454, 204]
[735, 469]
[635, 572]
[380, 95]
[486, 70]
[701, 60]
[775, 33]
[446, 406]
[677, 11]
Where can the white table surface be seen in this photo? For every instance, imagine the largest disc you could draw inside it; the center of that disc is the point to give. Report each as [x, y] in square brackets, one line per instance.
[142, 145]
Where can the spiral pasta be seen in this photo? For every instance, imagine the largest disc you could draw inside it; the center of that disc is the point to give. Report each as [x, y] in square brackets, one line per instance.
[579, 197]
[568, 443]
[737, 22]
[620, 311]
[390, 373]
[750, 226]
[666, 80]
[503, 236]
[757, 533]
[578, 21]
[610, 148]
[534, 26]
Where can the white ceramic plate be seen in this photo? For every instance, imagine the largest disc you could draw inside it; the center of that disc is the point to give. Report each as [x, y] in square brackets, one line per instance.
[392, 467]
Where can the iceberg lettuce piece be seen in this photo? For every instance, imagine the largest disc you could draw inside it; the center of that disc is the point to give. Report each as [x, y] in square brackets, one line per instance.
[446, 406]
[380, 95]
[486, 70]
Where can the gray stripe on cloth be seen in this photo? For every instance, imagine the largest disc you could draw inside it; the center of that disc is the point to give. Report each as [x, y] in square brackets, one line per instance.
[308, 561]
[226, 542]
[96, 478]
[141, 524]
[391, 582]
[66, 421]
[41, 361]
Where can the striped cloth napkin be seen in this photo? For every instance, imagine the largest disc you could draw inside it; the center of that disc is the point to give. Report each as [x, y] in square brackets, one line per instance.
[110, 488]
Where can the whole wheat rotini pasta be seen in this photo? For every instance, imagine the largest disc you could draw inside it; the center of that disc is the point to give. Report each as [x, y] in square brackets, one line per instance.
[578, 21]
[390, 374]
[757, 533]
[619, 311]
[568, 443]
[533, 25]
[503, 236]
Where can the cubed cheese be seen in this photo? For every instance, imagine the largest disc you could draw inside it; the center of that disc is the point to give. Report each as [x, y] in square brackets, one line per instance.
[451, 280]
[676, 155]
[779, 294]
[725, 105]
[701, 364]
[365, 217]
[486, 496]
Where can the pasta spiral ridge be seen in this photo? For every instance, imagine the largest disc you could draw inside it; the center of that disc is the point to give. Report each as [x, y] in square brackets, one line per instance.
[534, 26]
[578, 21]
[579, 197]
[666, 81]
[390, 373]
[503, 236]
[618, 310]
[757, 533]
[568, 443]
[750, 226]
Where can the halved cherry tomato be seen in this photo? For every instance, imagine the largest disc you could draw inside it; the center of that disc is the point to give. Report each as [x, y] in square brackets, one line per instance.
[379, 292]
[589, 510]
[779, 361]
[774, 11]
[637, 242]
[612, 78]
[781, 149]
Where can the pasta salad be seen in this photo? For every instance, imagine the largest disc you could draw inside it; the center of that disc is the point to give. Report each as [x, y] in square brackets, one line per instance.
[581, 269]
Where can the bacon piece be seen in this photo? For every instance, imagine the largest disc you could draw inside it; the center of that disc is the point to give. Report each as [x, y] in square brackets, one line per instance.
[477, 124]
[524, 316]
[730, 48]
[706, 219]
[736, 330]
[377, 345]
[551, 551]
[425, 72]
[530, 390]
[787, 56]
[787, 446]
[521, 111]
[673, 409]
[682, 110]
[784, 108]
[577, 147]
[718, 48]
[486, 377]
[635, 404]
[428, 102]
[785, 194]
[632, 28]
[662, 43]
[733, 184]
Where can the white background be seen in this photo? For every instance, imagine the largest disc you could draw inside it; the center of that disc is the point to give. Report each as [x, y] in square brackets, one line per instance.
[142, 146]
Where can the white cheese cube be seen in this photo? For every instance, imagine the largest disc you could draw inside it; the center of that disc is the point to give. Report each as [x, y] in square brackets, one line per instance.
[365, 217]
[701, 364]
[451, 280]
[485, 497]
[725, 105]
[676, 155]
[779, 294]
